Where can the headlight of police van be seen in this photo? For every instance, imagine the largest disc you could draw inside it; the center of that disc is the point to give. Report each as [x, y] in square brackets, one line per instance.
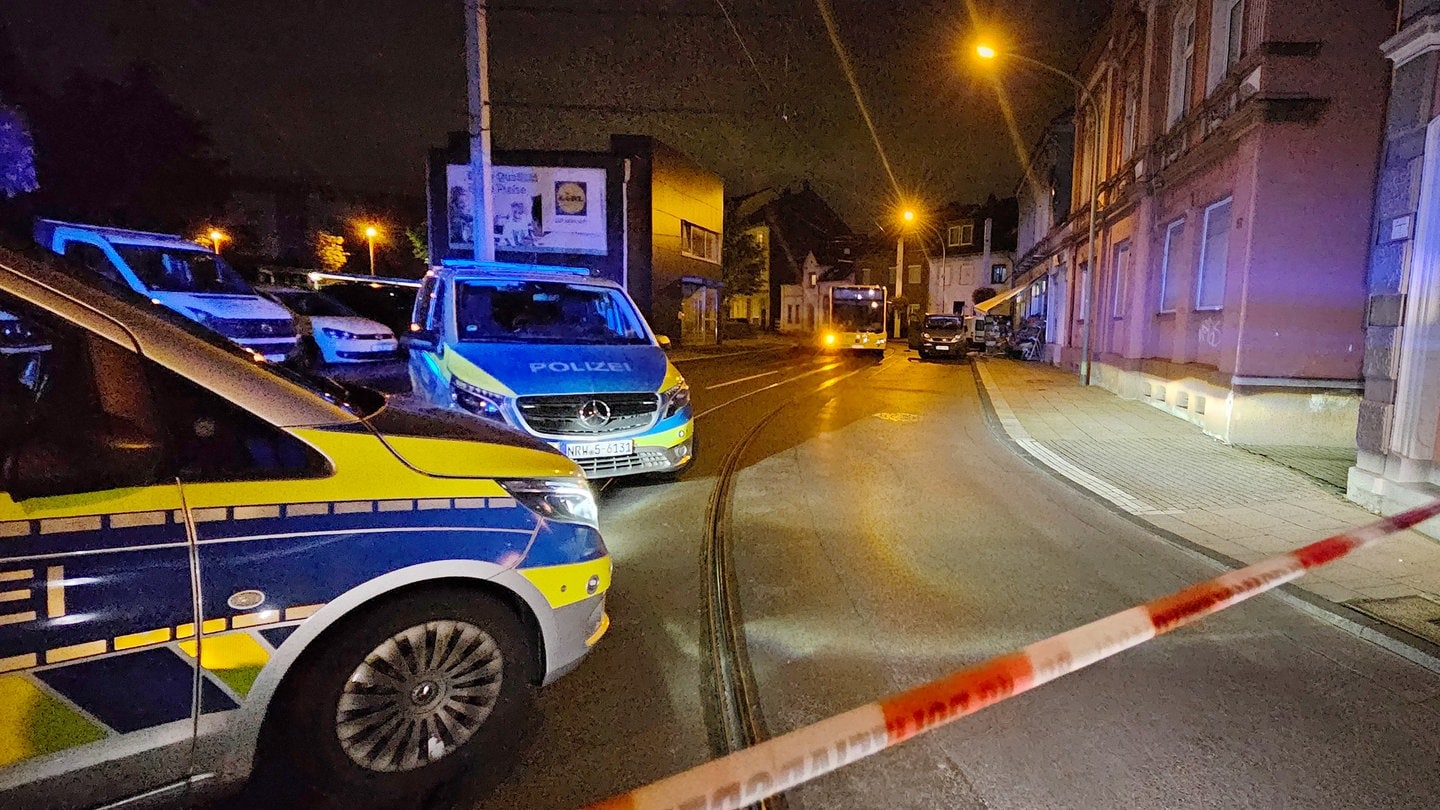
[924, 335]
[562, 499]
[339, 334]
[477, 400]
[676, 398]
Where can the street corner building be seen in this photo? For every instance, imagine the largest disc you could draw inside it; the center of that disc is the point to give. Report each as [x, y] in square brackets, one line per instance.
[1231, 148]
[1399, 428]
[641, 214]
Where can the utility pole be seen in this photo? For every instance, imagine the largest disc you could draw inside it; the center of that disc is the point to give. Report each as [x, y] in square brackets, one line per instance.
[477, 57]
[899, 276]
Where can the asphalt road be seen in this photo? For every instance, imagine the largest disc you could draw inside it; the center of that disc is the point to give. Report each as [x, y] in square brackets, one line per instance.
[884, 536]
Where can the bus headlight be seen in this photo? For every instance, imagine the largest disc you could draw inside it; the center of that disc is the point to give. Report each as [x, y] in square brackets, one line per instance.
[560, 499]
[676, 397]
[830, 339]
[482, 403]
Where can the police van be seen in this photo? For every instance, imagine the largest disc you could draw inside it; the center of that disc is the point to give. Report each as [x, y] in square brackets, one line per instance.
[558, 354]
[212, 568]
[178, 274]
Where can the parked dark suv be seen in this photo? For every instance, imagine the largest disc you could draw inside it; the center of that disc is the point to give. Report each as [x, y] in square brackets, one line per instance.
[942, 336]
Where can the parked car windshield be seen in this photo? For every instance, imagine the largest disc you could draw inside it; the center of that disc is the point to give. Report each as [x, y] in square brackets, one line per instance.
[545, 312]
[942, 322]
[180, 270]
[311, 303]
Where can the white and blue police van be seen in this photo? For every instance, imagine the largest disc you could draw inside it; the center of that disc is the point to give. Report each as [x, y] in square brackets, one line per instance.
[556, 353]
[179, 274]
[215, 570]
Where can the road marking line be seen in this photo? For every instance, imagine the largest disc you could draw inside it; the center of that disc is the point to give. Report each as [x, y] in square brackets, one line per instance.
[742, 379]
[767, 388]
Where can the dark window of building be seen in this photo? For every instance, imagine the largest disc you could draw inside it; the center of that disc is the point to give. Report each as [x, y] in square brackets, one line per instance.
[699, 243]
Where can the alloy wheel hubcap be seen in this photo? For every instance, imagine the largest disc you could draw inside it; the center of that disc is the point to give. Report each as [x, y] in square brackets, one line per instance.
[419, 695]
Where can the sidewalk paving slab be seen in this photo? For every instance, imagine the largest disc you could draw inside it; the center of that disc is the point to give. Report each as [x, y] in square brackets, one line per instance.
[1240, 504]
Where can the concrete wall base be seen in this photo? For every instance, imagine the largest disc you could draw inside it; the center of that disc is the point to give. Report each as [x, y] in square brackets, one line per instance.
[1247, 416]
[1379, 494]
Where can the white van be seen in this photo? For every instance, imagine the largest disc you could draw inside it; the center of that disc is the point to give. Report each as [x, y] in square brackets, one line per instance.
[178, 274]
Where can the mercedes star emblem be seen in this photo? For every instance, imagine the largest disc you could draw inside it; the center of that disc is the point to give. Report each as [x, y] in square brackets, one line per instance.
[594, 414]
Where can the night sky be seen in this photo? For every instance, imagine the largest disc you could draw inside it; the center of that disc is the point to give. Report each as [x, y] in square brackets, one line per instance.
[355, 92]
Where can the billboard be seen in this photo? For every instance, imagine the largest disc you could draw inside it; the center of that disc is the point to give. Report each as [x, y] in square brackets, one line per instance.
[538, 209]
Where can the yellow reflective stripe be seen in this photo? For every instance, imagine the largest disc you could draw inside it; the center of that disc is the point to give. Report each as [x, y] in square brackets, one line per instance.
[70, 653]
[468, 372]
[35, 723]
[255, 619]
[669, 438]
[301, 612]
[235, 658]
[599, 631]
[14, 662]
[133, 640]
[564, 585]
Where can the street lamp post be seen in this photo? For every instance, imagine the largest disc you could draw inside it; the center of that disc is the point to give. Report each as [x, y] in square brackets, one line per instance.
[907, 217]
[1088, 103]
[370, 233]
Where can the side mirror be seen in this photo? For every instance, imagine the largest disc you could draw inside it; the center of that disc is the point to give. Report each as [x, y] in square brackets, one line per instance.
[421, 340]
[118, 455]
[663, 341]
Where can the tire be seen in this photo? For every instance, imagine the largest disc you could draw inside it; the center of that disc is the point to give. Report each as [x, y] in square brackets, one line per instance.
[331, 742]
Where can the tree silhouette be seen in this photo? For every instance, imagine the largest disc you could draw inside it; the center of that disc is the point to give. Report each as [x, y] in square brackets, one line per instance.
[123, 153]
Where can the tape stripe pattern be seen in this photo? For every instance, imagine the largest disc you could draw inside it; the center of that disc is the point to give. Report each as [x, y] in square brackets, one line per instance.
[747, 776]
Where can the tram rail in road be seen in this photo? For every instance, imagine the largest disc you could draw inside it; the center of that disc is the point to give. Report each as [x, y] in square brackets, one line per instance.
[733, 712]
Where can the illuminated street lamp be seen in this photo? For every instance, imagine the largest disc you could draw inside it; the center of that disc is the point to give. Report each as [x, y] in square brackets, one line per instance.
[988, 52]
[216, 237]
[370, 233]
[907, 217]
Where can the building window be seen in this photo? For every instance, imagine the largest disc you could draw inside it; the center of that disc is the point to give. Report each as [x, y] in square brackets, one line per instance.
[864, 275]
[814, 278]
[699, 243]
[997, 274]
[1214, 249]
[967, 235]
[1170, 266]
[912, 274]
[1121, 280]
[1084, 292]
[952, 236]
[1227, 38]
[1182, 62]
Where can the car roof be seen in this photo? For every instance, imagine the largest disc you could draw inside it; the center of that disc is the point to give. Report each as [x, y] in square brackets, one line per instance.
[121, 314]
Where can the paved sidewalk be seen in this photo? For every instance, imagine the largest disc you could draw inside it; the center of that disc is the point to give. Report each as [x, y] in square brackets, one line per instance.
[1239, 505]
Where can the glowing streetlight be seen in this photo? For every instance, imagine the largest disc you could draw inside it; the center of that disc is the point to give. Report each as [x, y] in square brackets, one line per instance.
[906, 217]
[216, 237]
[371, 232]
[1086, 102]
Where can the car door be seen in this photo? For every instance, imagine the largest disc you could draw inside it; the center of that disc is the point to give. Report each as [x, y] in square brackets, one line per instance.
[96, 697]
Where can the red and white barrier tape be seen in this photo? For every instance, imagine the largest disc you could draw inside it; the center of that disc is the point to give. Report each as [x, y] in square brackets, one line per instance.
[783, 762]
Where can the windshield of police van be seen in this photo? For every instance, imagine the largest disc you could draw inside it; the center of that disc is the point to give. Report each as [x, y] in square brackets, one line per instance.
[939, 322]
[167, 269]
[545, 312]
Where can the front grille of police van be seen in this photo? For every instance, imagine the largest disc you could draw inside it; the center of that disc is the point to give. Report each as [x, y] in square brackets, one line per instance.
[645, 460]
[562, 415]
